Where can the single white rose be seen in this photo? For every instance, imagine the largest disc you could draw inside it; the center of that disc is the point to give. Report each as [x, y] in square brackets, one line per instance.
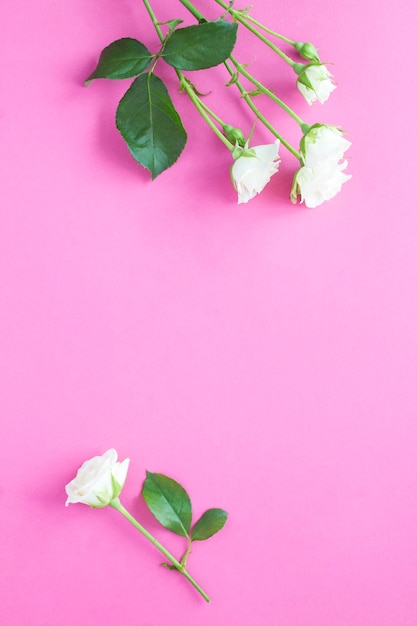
[315, 83]
[98, 481]
[321, 177]
[323, 144]
[315, 186]
[251, 173]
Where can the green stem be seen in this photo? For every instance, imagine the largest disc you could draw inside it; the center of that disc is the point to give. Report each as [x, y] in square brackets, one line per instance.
[184, 83]
[202, 108]
[268, 92]
[239, 18]
[248, 18]
[244, 93]
[186, 554]
[116, 504]
[212, 113]
[154, 20]
[260, 116]
[193, 10]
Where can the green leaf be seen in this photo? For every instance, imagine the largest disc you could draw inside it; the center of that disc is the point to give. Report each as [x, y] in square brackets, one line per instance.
[168, 502]
[150, 124]
[209, 524]
[123, 58]
[200, 46]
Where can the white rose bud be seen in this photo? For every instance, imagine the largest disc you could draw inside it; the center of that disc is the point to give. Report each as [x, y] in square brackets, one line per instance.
[307, 51]
[315, 82]
[253, 170]
[98, 481]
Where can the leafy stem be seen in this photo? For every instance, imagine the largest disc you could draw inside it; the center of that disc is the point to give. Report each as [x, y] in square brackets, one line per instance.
[203, 110]
[200, 105]
[179, 566]
[185, 83]
[258, 114]
[241, 70]
[238, 17]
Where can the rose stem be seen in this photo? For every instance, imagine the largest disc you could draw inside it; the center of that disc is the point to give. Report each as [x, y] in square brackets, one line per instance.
[116, 504]
[196, 13]
[184, 83]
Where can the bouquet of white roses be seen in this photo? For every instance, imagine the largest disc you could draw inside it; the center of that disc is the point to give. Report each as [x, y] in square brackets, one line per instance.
[153, 130]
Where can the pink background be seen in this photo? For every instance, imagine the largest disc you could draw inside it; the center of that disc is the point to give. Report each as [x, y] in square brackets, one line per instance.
[264, 355]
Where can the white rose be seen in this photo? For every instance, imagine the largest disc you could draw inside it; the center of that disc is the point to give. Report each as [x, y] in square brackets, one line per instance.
[318, 185]
[251, 173]
[315, 83]
[98, 481]
[321, 177]
[323, 144]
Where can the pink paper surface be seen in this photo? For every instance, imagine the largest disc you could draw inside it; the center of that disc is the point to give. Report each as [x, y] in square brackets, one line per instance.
[263, 355]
